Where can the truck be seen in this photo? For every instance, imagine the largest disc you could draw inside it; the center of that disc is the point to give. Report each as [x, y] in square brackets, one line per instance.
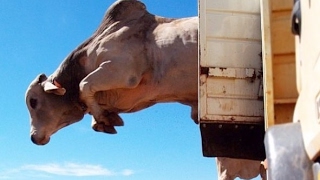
[258, 93]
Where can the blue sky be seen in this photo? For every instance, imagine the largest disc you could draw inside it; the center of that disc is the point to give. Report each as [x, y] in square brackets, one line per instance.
[158, 143]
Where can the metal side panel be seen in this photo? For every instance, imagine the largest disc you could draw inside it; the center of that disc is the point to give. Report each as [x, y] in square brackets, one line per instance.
[230, 33]
[230, 47]
[231, 93]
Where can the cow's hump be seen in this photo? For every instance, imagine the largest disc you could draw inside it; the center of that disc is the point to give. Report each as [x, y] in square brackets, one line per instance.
[125, 10]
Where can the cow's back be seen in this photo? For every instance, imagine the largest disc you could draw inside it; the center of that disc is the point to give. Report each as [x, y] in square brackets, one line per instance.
[173, 53]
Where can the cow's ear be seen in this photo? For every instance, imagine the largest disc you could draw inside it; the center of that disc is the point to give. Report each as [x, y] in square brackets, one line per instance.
[49, 87]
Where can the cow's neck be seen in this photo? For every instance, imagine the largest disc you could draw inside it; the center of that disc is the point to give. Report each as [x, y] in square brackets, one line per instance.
[70, 73]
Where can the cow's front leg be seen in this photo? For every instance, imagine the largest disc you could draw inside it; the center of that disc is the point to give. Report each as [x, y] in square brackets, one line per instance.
[108, 127]
[100, 121]
[102, 127]
[114, 119]
[109, 75]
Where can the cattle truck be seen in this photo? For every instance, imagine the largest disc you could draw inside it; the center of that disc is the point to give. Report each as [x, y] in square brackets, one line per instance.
[259, 97]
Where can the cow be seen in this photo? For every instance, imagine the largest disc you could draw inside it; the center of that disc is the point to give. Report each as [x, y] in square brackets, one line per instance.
[132, 61]
[230, 168]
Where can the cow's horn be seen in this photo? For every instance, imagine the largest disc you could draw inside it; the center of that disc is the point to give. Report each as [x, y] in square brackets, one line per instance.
[51, 88]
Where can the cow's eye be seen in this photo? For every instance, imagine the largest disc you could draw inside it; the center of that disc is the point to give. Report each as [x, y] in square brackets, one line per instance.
[33, 103]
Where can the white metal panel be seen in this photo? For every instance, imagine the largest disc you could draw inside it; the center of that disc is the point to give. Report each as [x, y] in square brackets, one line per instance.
[230, 46]
[232, 72]
[228, 88]
[233, 25]
[238, 6]
[230, 107]
[231, 30]
[232, 53]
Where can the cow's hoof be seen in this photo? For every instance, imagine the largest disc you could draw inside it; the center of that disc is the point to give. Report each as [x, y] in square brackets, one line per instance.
[101, 127]
[115, 119]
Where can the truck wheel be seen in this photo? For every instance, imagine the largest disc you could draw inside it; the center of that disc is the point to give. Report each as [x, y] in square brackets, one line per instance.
[286, 155]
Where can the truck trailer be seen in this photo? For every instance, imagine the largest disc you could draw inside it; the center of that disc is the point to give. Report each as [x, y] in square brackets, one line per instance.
[258, 91]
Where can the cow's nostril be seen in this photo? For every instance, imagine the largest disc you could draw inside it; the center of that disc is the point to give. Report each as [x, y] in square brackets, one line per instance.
[33, 140]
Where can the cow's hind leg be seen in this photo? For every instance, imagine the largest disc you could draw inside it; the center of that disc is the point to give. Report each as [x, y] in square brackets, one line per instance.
[194, 112]
[109, 75]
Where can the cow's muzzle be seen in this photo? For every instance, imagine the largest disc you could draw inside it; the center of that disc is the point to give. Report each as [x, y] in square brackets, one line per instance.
[39, 141]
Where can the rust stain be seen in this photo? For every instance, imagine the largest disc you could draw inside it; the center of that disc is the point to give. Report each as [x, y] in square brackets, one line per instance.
[227, 106]
[254, 76]
[224, 91]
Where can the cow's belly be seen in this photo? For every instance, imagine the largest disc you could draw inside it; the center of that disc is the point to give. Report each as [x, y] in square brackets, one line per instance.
[124, 100]
[141, 97]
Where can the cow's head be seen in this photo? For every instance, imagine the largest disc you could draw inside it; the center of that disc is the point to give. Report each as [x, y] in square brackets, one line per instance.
[50, 109]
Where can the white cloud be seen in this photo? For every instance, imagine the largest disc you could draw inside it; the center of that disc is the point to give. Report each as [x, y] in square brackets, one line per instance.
[66, 169]
[127, 172]
[70, 169]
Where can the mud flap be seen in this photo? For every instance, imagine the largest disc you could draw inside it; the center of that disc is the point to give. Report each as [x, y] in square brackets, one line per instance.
[286, 155]
[244, 141]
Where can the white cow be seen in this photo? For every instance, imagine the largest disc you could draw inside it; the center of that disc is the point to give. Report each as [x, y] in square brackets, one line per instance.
[134, 60]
